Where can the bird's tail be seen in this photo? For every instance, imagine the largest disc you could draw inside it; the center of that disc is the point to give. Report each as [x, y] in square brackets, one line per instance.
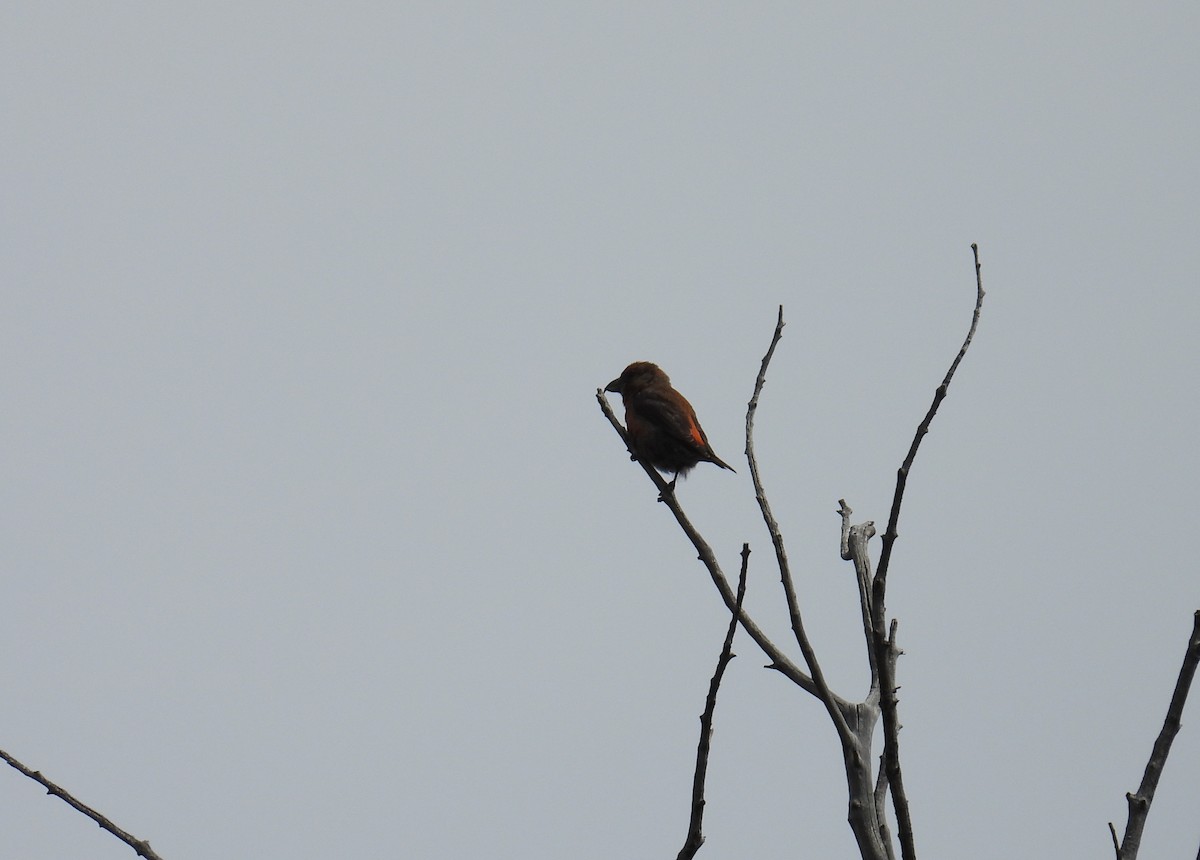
[717, 461]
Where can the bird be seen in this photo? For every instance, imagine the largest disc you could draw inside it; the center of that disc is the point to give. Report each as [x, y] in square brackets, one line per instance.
[661, 424]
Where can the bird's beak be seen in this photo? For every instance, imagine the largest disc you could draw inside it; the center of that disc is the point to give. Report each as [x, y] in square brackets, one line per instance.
[614, 386]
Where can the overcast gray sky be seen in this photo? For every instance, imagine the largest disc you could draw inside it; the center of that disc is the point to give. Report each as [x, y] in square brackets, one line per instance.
[316, 544]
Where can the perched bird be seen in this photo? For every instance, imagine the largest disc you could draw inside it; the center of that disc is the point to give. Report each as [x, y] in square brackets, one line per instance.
[662, 426]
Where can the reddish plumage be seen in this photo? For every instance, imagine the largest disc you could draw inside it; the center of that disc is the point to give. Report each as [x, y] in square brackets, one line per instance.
[662, 426]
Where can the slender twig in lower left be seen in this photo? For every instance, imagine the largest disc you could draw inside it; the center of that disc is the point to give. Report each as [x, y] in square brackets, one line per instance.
[139, 845]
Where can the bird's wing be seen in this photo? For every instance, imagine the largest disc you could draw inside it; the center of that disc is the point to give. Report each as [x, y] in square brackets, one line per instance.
[670, 411]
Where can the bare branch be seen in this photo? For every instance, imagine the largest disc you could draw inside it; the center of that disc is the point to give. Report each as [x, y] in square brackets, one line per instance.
[779, 660]
[886, 658]
[885, 833]
[139, 845]
[885, 644]
[831, 702]
[854, 548]
[1139, 802]
[695, 837]
[845, 512]
[889, 536]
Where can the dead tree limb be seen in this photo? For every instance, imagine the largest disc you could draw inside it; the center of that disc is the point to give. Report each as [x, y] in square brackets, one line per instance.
[141, 846]
[883, 636]
[831, 703]
[1139, 801]
[695, 836]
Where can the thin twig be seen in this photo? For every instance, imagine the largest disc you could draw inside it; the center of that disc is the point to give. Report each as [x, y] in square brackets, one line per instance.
[831, 702]
[889, 536]
[141, 846]
[885, 645]
[1139, 802]
[695, 836]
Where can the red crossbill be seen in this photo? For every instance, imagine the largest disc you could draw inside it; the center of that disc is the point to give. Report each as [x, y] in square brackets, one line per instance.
[662, 426]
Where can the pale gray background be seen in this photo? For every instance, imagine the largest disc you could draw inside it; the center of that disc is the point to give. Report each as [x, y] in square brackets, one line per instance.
[315, 543]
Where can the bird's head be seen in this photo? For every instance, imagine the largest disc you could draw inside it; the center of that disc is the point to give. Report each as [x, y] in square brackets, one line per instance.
[637, 377]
